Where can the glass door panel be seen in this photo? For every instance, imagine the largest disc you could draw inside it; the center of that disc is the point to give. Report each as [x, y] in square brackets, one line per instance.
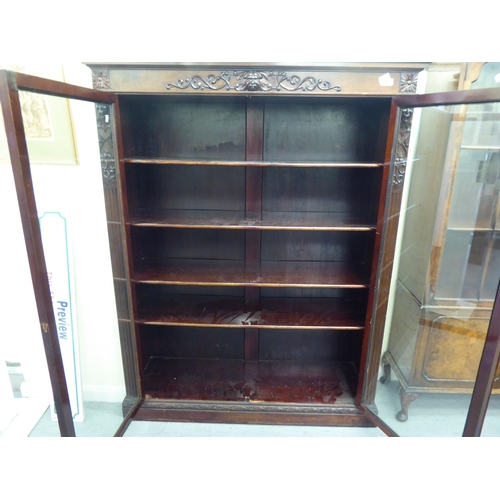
[71, 212]
[74, 200]
[473, 212]
[445, 270]
[25, 390]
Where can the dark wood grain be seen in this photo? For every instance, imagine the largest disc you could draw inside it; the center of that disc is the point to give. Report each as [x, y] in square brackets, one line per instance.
[60, 89]
[190, 342]
[253, 210]
[156, 189]
[317, 246]
[254, 144]
[116, 205]
[322, 130]
[381, 272]
[350, 191]
[252, 339]
[175, 127]
[227, 380]
[237, 273]
[159, 244]
[253, 182]
[119, 262]
[345, 415]
[324, 346]
[448, 98]
[122, 298]
[193, 310]
[131, 360]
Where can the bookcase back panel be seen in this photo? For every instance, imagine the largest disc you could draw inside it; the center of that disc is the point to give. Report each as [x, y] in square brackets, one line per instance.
[222, 343]
[349, 190]
[172, 127]
[159, 244]
[319, 130]
[316, 246]
[306, 345]
[159, 188]
[192, 342]
[145, 292]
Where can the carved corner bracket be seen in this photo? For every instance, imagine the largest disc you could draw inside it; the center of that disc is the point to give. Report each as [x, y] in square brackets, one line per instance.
[253, 81]
[106, 145]
[402, 145]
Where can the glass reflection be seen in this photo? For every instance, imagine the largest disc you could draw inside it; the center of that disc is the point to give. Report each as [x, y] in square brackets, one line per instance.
[68, 187]
[25, 390]
[72, 215]
[446, 271]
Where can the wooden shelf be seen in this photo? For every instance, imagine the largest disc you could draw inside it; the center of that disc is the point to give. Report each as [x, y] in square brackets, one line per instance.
[220, 163]
[263, 381]
[220, 219]
[290, 313]
[265, 274]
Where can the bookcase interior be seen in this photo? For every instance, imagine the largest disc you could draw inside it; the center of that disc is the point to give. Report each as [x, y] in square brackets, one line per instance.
[251, 226]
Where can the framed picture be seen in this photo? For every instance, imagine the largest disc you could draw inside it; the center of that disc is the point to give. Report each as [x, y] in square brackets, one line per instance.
[47, 122]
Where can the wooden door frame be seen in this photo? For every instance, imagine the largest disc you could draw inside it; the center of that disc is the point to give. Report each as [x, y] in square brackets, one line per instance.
[10, 84]
[491, 352]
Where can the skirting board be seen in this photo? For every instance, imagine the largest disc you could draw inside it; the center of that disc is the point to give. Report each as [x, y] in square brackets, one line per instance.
[103, 393]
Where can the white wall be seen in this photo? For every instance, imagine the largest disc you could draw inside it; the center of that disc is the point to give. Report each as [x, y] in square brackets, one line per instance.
[75, 190]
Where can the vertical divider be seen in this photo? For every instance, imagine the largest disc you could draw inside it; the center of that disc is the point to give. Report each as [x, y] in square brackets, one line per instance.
[253, 209]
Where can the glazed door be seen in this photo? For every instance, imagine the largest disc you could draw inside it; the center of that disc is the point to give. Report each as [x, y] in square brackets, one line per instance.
[436, 304]
[76, 254]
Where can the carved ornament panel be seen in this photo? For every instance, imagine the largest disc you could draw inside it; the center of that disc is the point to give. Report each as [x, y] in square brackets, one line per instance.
[106, 145]
[100, 80]
[253, 81]
[402, 145]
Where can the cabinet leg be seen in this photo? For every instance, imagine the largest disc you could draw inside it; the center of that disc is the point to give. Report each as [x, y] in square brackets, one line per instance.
[406, 399]
[386, 377]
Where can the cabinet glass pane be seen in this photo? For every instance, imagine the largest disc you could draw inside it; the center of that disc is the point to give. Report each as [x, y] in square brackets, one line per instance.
[74, 227]
[446, 271]
[467, 269]
[25, 390]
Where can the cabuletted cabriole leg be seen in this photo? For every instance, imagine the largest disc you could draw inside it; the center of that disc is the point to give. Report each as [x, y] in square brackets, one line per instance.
[406, 399]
